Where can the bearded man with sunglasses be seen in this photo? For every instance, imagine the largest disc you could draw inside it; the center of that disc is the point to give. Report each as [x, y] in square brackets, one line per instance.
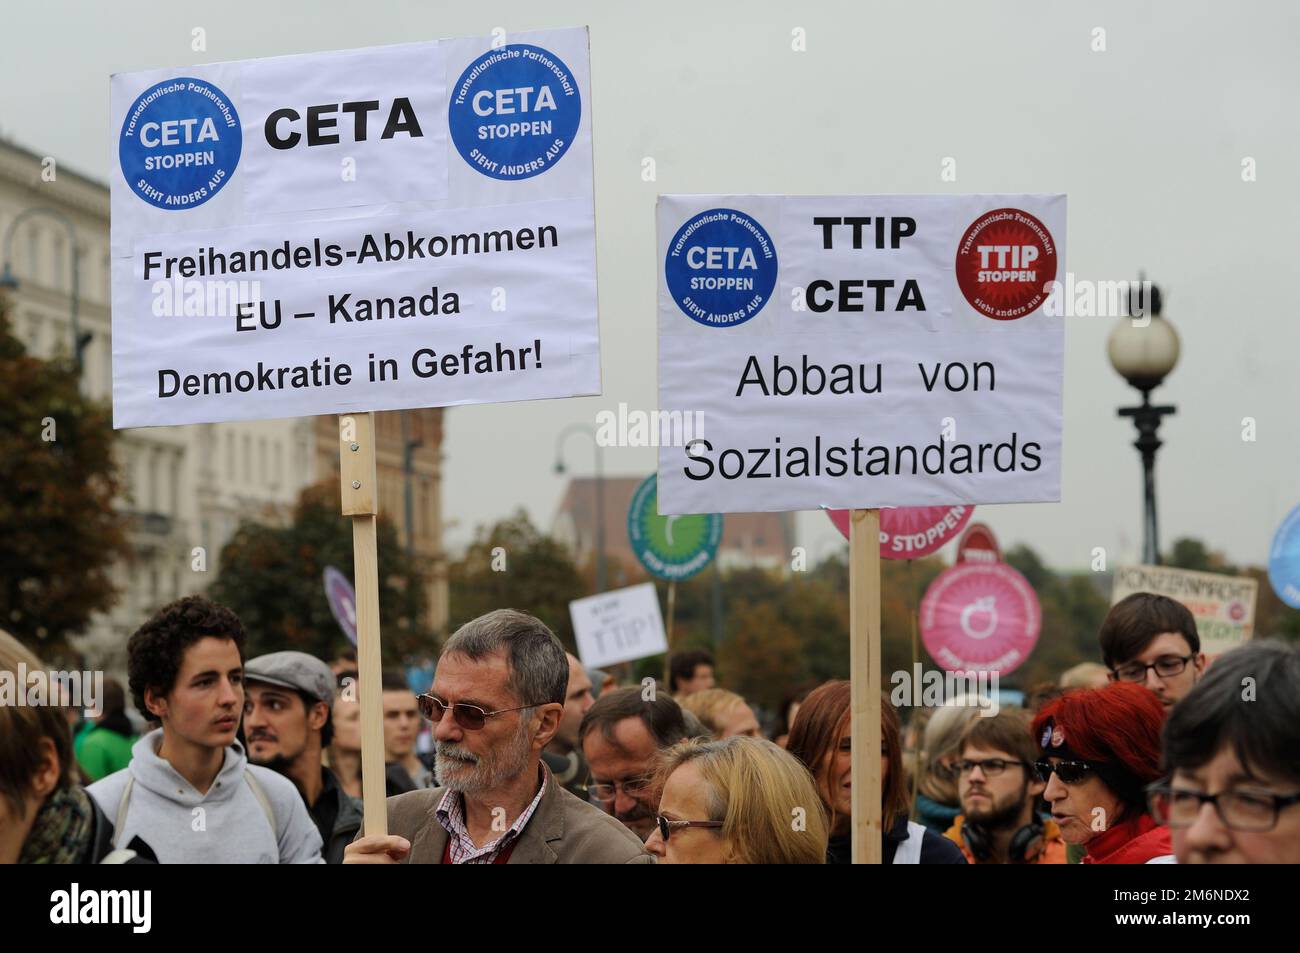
[497, 699]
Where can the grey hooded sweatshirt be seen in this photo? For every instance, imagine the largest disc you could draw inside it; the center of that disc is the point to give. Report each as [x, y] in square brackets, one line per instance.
[228, 825]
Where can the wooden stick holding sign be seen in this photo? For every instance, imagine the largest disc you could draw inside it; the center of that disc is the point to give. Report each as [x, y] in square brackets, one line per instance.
[358, 478]
[864, 674]
[668, 631]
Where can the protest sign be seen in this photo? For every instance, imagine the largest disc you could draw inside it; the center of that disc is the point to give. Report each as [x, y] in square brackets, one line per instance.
[978, 545]
[346, 232]
[1284, 560]
[858, 352]
[342, 601]
[980, 617]
[618, 626]
[402, 226]
[910, 532]
[670, 547]
[1223, 606]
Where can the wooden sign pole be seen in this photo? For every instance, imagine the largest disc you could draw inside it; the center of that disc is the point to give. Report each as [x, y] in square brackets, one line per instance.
[668, 630]
[864, 670]
[358, 477]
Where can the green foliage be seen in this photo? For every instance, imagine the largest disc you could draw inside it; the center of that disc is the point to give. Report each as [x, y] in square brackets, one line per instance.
[58, 481]
[272, 577]
[513, 565]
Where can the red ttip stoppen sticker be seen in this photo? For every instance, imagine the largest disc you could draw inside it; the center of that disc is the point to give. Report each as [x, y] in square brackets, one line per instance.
[1006, 263]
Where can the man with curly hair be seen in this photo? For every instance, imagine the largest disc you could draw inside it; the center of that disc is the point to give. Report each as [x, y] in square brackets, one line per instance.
[189, 788]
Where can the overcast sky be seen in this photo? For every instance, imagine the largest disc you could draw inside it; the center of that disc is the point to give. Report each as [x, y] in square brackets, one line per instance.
[1147, 138]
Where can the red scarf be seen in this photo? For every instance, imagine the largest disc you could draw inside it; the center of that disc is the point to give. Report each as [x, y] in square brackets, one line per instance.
[1134, 841]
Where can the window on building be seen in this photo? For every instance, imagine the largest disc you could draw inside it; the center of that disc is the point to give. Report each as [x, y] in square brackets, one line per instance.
[154, 495]
[58, 265]
[174, 502]
[33, 253]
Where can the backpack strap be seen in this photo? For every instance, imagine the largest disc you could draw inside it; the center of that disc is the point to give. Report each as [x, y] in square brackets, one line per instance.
[260, 793]
[122, 806]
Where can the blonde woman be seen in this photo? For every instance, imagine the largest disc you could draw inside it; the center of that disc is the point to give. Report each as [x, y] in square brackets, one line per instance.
[938, 804]
[737, 801]
[724, 713]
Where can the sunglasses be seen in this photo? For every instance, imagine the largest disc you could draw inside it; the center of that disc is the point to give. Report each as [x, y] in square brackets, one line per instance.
[1071, 772]
[469, 717]
[666, 827]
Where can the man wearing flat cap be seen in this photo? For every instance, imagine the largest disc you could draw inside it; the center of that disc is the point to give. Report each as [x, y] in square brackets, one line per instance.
[287, 702]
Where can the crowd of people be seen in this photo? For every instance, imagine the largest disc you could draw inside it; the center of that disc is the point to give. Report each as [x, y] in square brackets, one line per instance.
[517, 753]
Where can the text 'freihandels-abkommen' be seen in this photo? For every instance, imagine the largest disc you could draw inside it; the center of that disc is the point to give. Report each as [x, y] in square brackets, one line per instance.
[373, 248]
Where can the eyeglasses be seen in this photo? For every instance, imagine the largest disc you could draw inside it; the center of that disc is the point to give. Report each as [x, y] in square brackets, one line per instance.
[607, 792]
[1178, 807]
[666, 827]
[1071, 772]
[1167, 666]
[469, 717]
[991, 767]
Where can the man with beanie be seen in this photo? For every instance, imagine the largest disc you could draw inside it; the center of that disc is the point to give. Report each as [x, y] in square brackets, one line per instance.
[288, 697]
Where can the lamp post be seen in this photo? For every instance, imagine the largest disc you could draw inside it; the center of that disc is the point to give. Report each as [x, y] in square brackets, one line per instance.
[8, 281]
[600, 490]
[1144, 354]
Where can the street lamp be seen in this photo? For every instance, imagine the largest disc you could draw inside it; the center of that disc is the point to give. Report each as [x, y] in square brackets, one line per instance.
[600, 490]
[8, 281]
[1144, 354]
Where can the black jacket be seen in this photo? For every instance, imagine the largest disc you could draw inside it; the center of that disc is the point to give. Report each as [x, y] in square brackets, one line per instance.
[338, 817]
[935, 848]
[101, 842]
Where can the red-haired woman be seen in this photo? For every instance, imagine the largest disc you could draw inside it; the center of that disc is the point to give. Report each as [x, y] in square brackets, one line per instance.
[821, 738]
[1100, 749]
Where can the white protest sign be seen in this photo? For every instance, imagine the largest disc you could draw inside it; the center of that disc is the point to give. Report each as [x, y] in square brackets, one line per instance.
[618, 626]
[860, 351]
[402, 226]
[1223, 606]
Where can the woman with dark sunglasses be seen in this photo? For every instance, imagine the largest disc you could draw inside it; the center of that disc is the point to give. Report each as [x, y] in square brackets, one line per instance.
[1100, 748]
[740, 800]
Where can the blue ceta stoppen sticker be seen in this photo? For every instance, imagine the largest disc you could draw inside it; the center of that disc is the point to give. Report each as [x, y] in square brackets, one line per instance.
[180, 143]
[514, 112]
[721, 268]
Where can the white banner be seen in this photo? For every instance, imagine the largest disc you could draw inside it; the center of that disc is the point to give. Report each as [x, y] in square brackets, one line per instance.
[860, 351]
[404, 226]
[1223, 606]
[618, 626]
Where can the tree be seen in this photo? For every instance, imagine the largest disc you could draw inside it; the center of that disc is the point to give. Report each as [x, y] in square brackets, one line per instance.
[61, 533]
[272, 577]
[1273, 618]
[513, 565]
[1072, 609]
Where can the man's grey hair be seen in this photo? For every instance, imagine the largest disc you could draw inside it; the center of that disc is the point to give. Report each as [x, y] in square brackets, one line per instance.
[539, 666]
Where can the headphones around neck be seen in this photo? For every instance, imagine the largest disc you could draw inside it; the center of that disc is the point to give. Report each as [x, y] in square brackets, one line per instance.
[1025, 847]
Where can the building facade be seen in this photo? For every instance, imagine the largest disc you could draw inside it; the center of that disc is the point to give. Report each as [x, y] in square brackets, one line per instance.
[185, 489]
